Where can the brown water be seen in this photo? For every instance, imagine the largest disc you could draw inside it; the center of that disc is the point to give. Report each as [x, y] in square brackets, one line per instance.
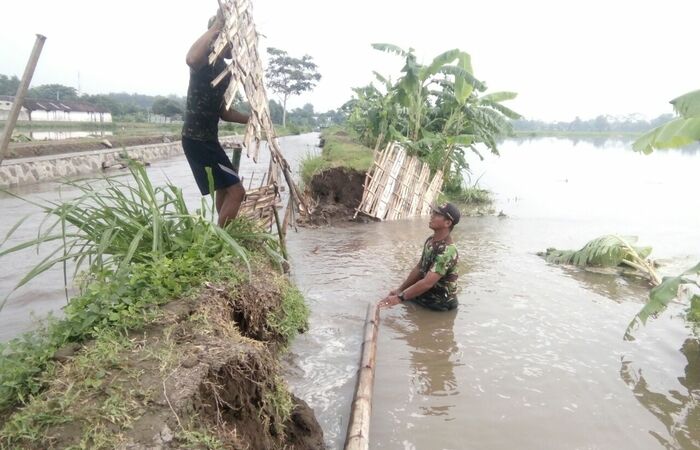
[534, 356]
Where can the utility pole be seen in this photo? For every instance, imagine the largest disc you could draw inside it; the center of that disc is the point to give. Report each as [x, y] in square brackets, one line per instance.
[21, 93]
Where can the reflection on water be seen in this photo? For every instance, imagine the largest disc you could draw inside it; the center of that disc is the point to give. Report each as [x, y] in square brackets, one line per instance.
[54, 135]
[605, 142]
[431, 343]
[678, 410]
[615, 287]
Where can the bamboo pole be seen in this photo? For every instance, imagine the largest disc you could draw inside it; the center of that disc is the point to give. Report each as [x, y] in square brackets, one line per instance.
[357, 437]
[21, 93]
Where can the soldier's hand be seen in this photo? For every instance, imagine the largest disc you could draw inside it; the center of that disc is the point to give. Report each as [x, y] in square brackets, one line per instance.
[389, 301]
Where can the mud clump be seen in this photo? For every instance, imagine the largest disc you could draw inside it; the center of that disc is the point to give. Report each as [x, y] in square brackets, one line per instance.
[336, 192]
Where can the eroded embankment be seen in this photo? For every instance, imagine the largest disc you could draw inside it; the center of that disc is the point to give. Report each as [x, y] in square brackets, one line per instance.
[336, 192]
[204, 374]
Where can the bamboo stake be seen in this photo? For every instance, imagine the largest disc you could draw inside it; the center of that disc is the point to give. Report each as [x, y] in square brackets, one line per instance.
[357, 437]
[21, 93]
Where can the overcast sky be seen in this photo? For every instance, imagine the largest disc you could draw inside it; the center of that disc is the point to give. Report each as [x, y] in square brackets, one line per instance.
[564, 58]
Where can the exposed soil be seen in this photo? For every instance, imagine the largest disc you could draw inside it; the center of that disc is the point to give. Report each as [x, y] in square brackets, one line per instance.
[206, 370]
[45, 148]
[336, 192]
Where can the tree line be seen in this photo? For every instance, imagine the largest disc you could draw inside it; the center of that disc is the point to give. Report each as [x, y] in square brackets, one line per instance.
[286, 76]
[601, 123]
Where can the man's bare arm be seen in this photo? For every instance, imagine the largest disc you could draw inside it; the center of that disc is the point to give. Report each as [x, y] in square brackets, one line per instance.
[198, 55]
[231, 115]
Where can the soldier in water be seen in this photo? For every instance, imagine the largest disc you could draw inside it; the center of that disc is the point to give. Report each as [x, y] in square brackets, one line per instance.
[433, 281]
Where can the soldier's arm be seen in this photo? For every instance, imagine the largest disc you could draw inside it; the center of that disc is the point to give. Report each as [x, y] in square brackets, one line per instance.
[421, 286]
[231, 115]
[410, 280]
[198, 55]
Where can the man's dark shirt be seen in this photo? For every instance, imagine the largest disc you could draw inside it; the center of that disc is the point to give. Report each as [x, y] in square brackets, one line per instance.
[204, 103]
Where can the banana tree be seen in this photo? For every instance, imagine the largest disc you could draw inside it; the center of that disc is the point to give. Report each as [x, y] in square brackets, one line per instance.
[666, 291]
[413, 91]
[679, 132]
[375, 115]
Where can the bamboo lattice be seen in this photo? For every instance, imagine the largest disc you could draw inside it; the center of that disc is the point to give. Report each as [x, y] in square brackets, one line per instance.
[259, 205]
[246, 74]
[398, 186]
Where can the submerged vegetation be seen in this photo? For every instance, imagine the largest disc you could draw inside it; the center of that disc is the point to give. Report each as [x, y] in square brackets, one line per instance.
[136, 248]
[614, 252]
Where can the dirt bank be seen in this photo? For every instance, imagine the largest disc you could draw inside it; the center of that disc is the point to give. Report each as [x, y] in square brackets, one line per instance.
[336, 192]
[203, 375]
[45, 148]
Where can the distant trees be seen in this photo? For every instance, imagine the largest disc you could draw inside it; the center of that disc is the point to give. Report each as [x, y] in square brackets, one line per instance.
[631, 124]
[168, 107]
[289, 76]
[137, 107]
[8, 86]
[53, 91]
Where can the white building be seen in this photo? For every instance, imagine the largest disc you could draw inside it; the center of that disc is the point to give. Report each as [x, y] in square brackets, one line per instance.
[6, 106]
[45, 110]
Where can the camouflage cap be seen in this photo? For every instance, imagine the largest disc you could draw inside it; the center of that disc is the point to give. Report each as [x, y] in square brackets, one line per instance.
[448, 210]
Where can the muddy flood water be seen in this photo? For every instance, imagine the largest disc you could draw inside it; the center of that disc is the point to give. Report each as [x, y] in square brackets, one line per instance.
[534, 357]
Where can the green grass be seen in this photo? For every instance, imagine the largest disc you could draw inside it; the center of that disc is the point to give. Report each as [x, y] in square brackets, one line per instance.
[292, 316]
[341, 149]
[140, 247]
[470, 195]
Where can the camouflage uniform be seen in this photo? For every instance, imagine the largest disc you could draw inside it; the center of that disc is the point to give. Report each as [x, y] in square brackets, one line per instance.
[440, 257]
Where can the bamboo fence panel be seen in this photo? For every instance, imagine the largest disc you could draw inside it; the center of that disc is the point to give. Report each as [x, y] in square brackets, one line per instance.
[398, 186]
[245, 73]
[396, 161]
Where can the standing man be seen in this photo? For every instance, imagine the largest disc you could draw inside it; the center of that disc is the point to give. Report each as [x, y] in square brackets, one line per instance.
[200, 132]
[433, 281]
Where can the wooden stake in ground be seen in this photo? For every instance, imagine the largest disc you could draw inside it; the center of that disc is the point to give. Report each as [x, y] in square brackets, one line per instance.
[357, 437]
[21, 93]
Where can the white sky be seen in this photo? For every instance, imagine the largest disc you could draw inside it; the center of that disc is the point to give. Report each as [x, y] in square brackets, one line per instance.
[564, 58]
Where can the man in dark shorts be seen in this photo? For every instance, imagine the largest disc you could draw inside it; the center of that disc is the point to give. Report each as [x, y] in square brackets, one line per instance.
[433, 281]
[200, 132]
